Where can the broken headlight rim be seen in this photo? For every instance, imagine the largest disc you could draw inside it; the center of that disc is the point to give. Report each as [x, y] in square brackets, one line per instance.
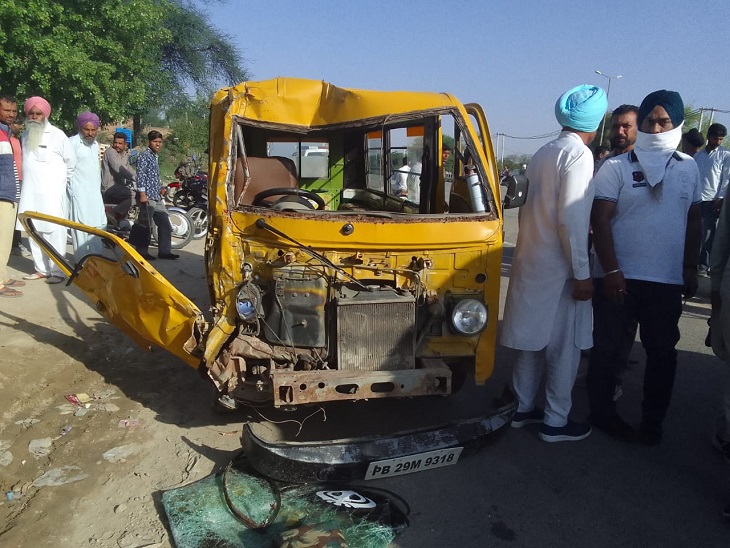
[248, 302]
[469, 316]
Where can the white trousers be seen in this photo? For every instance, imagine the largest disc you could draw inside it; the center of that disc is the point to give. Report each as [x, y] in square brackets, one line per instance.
[558, 363]
[42, 262]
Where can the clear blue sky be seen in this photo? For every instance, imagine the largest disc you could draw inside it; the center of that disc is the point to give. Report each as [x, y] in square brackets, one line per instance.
[514, 57]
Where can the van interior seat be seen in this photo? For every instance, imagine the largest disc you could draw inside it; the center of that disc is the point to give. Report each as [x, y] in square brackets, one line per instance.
[265, 173]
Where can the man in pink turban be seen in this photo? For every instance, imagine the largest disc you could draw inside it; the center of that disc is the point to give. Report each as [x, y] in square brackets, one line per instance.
[48, 162]
[84, 190]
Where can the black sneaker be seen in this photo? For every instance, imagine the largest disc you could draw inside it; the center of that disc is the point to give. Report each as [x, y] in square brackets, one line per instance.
[723, 446]
[614, 426]
[572, 431]
[170, 256]
[148, 256]
[527, 417]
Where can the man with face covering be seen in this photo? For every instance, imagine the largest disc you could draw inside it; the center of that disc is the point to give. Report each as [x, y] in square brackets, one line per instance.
[647, 232]
[48, 162]
[547, 315]
[87, 206]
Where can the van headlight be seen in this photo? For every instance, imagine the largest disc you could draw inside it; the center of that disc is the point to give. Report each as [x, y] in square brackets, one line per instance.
[248, 301]
[469, 316]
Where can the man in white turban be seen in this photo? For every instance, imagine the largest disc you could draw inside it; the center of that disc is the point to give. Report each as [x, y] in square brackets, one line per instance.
[84, 193]
[48, 162]
[547, 315]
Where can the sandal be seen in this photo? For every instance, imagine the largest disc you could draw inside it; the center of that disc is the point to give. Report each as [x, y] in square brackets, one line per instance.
[53, 279]
[14, 283]
[35, 276]
[9, 292]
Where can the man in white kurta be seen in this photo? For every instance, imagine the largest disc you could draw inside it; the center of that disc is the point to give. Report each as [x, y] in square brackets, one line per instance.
[547, 315]
[84, 191]
[48, 162]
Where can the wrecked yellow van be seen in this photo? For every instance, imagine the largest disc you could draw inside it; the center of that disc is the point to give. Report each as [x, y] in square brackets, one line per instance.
[343, 260]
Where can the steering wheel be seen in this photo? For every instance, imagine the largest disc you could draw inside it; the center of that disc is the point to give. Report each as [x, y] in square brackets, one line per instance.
[258, 200]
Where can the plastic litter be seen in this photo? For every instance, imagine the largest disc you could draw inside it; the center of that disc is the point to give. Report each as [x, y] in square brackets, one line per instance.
[128, 423]
[82, 400]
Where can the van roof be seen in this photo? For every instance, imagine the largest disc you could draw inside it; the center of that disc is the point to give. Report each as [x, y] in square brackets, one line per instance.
[312, 103]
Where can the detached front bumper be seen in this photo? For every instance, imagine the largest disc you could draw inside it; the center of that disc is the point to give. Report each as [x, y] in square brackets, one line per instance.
[348, 459]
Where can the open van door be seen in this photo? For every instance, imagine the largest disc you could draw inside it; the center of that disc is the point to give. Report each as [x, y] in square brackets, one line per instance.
[125, 288]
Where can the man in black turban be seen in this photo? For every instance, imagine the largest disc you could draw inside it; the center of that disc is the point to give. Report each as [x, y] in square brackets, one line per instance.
[647, 231]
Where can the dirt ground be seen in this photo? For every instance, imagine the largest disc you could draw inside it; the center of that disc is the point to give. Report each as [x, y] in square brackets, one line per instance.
[94, 476]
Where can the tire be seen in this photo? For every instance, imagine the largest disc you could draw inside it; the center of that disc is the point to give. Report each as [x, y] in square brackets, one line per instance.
[182, 228]
[200, 222]
[183, 199]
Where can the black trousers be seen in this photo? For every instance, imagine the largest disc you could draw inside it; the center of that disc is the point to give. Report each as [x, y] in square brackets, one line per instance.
[657, 308]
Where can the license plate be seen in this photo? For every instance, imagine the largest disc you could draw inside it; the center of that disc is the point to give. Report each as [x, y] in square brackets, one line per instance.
[413, 463]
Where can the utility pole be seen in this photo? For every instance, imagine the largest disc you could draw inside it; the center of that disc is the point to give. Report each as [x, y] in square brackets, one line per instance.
[608, 92]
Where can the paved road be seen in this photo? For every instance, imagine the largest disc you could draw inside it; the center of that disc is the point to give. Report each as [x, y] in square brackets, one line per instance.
[595, 493]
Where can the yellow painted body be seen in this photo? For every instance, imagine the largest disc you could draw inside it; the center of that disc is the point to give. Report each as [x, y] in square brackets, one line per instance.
[433, 255]
[460, 250]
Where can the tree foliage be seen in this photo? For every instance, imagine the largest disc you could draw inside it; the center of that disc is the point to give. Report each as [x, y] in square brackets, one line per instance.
[116, 58]
[79, 54]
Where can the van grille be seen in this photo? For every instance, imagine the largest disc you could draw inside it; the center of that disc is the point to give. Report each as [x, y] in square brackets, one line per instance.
[376, 332]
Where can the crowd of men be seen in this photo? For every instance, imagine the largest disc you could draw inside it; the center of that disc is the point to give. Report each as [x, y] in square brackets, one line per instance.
[45, 171]
[611, 243]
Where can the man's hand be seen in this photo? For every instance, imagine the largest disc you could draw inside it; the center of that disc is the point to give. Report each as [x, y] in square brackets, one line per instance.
[717, 203]
[691, 282]
[614, 286]
[582, 289]
[143, 198]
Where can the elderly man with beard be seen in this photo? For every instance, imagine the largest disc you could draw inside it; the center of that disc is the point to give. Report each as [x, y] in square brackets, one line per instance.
[48, 162]
[647, 233]
[87, 206]
[547, 314]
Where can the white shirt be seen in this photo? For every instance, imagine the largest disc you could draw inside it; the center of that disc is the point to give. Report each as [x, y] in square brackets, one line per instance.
[46, 171]
[714, 172]
[650, 224]
[87, 206]
[399, 185]
[552, 245]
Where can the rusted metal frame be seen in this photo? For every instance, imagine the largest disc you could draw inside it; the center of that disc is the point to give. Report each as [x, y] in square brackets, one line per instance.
[319, 386]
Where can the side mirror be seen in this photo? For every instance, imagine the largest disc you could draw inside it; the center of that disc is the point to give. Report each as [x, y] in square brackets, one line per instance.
[516, 193]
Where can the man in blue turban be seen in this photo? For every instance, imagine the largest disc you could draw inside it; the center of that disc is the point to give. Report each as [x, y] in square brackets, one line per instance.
[647, 232]
[547, 316]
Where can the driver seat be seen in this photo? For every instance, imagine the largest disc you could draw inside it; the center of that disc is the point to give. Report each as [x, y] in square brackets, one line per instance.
[266, 173]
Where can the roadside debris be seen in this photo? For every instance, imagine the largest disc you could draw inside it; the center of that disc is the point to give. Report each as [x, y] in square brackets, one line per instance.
[41, 447]
[128, 423]
[60, 476]
[240, 508]
[119, 454]
[6, 457]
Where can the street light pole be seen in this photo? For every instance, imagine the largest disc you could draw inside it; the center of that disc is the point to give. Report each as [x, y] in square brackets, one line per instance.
[608, 92]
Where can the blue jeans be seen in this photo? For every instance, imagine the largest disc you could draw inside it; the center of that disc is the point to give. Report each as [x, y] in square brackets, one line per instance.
[709, 225]
[657, 308]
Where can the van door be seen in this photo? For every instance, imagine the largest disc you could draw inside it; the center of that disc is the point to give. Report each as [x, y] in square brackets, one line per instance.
[125, 288]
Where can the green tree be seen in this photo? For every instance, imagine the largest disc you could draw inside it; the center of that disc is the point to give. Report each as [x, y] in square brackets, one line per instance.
[118, 59]
[80, 54]
[195, 55]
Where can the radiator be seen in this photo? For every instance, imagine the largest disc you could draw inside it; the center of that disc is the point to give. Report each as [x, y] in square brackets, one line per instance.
[376, 332]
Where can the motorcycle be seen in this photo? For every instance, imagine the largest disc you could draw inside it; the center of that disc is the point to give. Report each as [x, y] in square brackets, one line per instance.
[182, 225]
[192, 195]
